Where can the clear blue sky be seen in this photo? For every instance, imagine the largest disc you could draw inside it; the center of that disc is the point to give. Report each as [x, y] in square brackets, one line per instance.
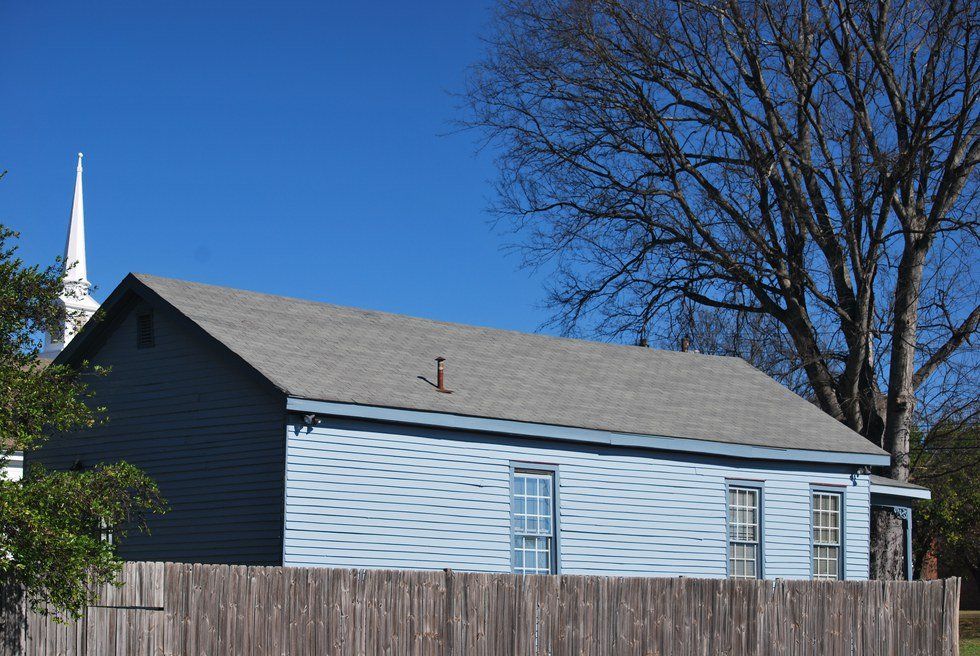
[292, 148]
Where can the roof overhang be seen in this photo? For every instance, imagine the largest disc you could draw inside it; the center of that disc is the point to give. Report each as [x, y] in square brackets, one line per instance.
[901, 491]
[572, 434]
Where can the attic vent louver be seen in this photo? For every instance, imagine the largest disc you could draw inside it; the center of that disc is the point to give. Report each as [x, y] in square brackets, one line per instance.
[144, 330]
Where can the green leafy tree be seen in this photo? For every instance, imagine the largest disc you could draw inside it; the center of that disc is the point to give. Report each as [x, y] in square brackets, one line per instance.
[948, 525]
[53, 525]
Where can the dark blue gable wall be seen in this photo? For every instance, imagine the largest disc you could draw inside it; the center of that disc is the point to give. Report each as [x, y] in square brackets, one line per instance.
[208, 433]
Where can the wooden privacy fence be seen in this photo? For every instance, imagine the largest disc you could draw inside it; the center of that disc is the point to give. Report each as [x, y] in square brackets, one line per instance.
[195, 610]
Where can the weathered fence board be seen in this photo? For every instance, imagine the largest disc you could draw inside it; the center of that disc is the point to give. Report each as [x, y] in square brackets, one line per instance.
[172, 609]
[12, 621]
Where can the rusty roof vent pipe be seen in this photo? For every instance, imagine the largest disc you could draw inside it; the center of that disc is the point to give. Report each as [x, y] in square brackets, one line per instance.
[441, 375]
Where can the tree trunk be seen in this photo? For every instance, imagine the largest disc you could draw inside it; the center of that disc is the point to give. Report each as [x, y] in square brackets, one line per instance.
[888, 532]
[888, 545]
[901, 388]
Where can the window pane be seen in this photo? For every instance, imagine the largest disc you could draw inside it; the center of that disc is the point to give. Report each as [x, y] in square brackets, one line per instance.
[533, 503]
[543, 558]
[826, 518]
[532, 555]
[744, 561]
[750, 562]
[826, 563]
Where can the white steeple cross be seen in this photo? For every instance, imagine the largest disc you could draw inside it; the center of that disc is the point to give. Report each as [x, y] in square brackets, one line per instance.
[79, 306]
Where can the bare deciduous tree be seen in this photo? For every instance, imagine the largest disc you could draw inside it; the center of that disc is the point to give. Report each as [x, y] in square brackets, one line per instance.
[809, 166]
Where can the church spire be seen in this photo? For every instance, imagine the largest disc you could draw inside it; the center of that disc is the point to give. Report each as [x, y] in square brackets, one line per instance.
[76, 271]
[78, 305]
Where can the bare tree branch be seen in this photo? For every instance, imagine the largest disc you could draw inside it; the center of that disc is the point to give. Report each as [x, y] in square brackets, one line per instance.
[806, 172]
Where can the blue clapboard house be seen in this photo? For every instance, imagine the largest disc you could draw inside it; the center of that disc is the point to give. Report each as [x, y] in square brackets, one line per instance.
[294, 433]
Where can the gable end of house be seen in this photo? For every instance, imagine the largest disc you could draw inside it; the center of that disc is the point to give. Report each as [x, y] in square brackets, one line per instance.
[195, 418]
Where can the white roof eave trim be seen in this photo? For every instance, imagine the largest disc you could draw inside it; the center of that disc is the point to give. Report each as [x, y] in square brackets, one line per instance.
[901, 491]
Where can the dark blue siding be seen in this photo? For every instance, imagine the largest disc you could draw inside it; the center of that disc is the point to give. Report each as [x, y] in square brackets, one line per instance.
[208, 433]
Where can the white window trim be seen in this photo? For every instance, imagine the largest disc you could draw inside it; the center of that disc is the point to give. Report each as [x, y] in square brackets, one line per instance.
[754, 486]
[823, 490]
[536, 469]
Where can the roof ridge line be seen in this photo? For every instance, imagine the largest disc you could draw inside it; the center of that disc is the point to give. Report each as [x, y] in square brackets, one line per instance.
[453, 324]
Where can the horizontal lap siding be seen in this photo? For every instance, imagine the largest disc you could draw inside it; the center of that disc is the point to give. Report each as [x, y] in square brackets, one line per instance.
[373, 495]
[857, 511]
[206, 432]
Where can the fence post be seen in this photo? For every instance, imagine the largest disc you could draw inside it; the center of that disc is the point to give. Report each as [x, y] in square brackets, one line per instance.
[450, 613]
[951, 615]
[83, 626]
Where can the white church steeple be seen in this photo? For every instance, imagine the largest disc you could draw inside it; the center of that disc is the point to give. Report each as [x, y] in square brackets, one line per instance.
[78, 304]
[75, 244]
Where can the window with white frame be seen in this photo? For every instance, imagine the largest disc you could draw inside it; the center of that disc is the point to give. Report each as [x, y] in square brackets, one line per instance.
[106, 532]
[744, 532]
[826, 535]
[533, 530]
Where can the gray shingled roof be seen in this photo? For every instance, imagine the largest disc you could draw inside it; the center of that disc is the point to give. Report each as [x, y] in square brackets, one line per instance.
[342, 354]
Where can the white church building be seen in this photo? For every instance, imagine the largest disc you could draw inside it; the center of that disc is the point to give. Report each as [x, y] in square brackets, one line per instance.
[78, 303]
